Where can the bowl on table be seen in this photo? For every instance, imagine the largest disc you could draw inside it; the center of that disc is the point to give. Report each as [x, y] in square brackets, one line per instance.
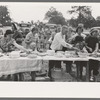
[32, 56]
[70, 53]
[83, 55]
[42, 54]
[62, 52]
[24, 54]
[59, 55]
[50, 52]
[14, 54]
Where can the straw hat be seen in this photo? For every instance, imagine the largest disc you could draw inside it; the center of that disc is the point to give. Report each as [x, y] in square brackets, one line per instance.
[94, 30]
[80, 25]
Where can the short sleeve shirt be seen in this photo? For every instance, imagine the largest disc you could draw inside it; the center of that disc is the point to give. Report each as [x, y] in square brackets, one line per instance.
[91, 42]
[30, 37]
[6, 46]
[78, 42]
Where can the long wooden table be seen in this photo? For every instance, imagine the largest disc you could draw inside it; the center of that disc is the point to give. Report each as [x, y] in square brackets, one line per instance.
[25, 64]
[16, 65]
[74, 59]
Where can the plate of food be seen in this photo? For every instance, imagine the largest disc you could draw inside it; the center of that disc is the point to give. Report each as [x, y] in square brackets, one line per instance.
[62, 52]
[50, 52]
[23, 54]
[14, 54]
[70, 52]
[42, 54]
[59, 55]
[32, 56]
[83, 55]
[68, 55]
[34, 52]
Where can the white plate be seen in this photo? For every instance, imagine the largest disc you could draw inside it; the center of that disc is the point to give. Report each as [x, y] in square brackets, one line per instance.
[23, 54]
[32, 56]
[42, 54]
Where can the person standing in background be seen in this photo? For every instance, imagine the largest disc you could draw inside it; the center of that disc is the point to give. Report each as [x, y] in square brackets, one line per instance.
[69, 34]
[18, 37]
[32, 38]
[92, 46]
[79, 32]
[47, 32]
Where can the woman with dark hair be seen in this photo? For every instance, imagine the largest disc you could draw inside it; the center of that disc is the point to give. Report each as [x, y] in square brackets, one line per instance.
[78, 41]
[8, 44]
[79, 32]
[92, 46]
[92, 41]
[17, 34]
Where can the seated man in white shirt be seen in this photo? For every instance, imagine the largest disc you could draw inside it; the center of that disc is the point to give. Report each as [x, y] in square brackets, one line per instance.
[57, 44]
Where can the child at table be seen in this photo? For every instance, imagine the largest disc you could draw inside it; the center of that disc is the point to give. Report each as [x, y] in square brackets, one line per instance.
[79, 42]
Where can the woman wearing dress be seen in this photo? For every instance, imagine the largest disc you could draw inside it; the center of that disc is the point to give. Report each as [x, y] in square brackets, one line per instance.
[8, 44]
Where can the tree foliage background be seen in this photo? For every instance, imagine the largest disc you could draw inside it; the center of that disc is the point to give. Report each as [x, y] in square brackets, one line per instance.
[84, 15]
[55, 17]
[80, 14]
[4, 16]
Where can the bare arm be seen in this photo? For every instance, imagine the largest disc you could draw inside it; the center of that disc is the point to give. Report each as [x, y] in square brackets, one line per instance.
[71, 39]
[63, 42]
[97, 47]
[19, 46]
[28, 38]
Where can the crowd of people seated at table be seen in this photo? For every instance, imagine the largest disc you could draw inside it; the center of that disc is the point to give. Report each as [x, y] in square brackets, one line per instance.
[61, 38]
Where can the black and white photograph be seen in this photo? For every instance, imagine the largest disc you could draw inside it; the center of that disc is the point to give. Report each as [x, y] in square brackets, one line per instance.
[49, 42]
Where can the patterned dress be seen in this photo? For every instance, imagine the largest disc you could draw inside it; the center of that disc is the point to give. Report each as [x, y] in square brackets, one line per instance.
[7, 46]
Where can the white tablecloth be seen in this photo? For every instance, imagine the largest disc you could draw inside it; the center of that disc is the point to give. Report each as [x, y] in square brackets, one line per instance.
[16, 65]
[65, 58]
[24, 64]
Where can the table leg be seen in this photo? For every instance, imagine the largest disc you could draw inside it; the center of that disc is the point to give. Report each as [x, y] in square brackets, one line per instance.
[9, 77]
[78, 70]
[14, 77]
[33, 75]
[81, 69]
[20, 77]
[51, 65]
[87, 72]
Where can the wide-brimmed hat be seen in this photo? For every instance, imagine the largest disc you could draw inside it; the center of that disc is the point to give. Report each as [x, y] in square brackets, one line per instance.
[93, 30]
[81, 25]
[8, 32]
